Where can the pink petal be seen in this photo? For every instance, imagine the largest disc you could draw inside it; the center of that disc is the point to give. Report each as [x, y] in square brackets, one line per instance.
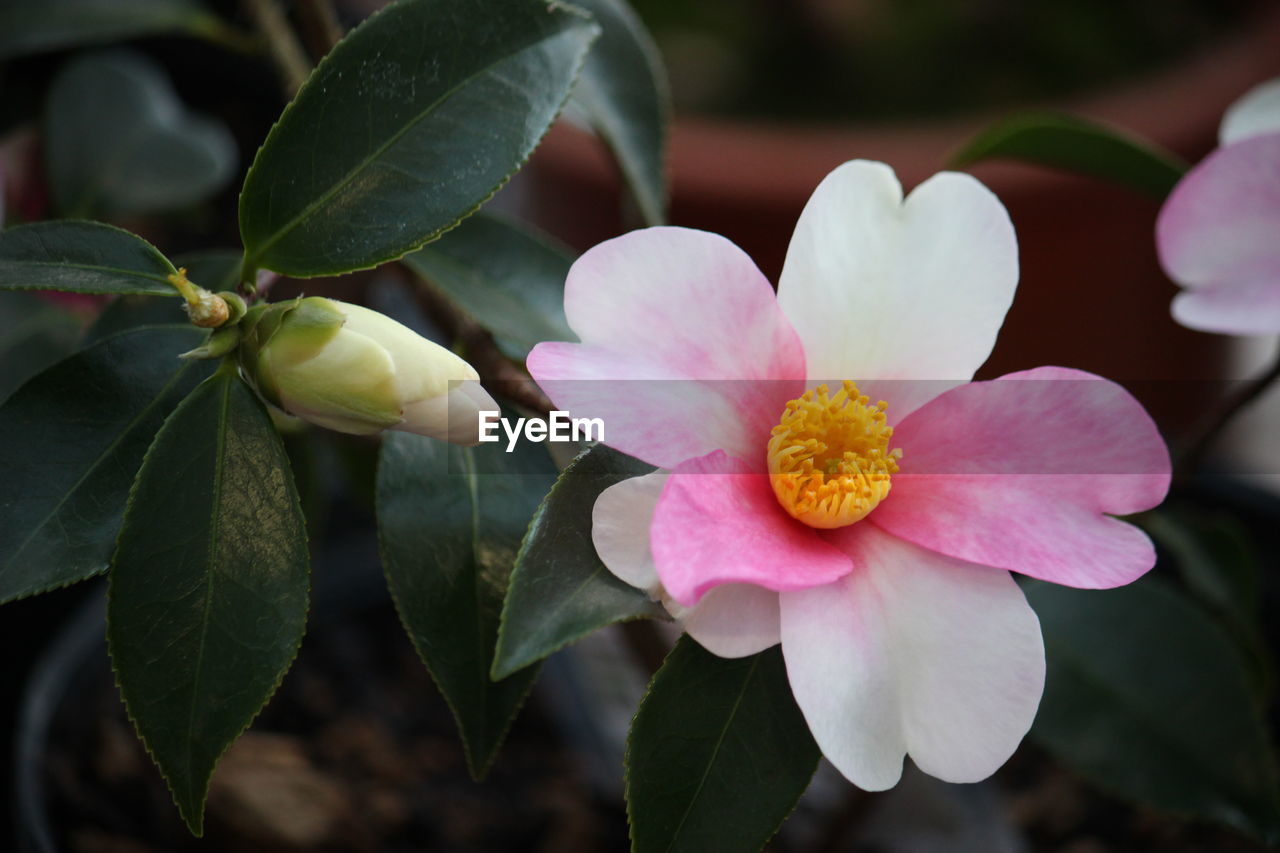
[882, 288]
[1025, 472]
[689, 313]
[718, 522]
[620, 522]
[1250, 308]
[1217, 237]
[913, 653]
[733, 620]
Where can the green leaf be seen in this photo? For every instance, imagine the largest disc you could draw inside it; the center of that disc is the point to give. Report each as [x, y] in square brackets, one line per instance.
[132, 312]
[1148, 697]
[718, 754]
[27, 26]
[33, 335]
[81, 257]
[119, 142]
[509, 278]
[560, 591]
[623, 92]
[212, 269]
[208, 594]
[448, 536]
[1077, 145]
[1214, 554]
[406, 127]
[71, 441]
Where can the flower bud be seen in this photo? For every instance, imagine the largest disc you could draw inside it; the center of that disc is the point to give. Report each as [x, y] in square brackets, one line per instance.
[354, 370]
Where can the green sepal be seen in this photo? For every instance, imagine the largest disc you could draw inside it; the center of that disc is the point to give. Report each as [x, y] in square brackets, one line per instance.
[258, 326]
[218, 344]
[304, 329]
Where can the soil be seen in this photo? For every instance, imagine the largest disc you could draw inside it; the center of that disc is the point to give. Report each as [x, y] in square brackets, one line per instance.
[356, 752]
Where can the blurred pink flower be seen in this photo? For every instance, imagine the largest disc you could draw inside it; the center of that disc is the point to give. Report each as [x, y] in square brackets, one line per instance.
[872, 540]
[1218, 234]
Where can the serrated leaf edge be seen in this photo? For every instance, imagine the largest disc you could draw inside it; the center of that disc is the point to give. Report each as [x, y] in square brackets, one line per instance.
[626, 758]
[182, 370]
[252, 263]
[477, 769]
[505, 664]
[655, 213]
[195, 822]
[95, 224]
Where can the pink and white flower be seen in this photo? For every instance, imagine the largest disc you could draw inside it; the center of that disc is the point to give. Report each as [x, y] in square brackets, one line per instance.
[873, 541]
[1218, 234]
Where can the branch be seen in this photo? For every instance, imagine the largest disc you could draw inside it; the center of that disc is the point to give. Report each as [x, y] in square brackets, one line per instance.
[320, 26]
[286, 52]
[1195, 451]
[497, 372]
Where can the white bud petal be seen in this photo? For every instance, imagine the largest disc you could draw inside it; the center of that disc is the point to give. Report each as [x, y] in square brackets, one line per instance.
[454, 417]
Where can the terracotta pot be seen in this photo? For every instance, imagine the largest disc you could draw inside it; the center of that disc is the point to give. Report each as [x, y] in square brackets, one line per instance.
[1092, 295]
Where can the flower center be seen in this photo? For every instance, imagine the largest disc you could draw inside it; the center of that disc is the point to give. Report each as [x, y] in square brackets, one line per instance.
[829, 457]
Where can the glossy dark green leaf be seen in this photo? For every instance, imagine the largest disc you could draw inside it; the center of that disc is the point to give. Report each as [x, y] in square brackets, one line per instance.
[215, 269]
[1217, 561]
[212, 269]
[560, 591]
[132, 312]
[71, 441]
[82, 257]
[623, 92]
[1077, 145]
[33, 335]
[34, 26]
[1149, 698]
[119, 142]
[450, 522]
[718, 754]
[209, 584]
[406, 127]
[509, 278]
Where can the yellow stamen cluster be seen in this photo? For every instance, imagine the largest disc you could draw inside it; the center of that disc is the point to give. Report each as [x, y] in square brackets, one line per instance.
[829, 457]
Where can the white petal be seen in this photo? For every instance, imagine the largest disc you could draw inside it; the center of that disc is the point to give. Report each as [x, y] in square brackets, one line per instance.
[1254, 114]
[424, 369]
[913, 653]
[620, 529]
[732, 620]
[879, 288]
[453, 417]
[680, 332]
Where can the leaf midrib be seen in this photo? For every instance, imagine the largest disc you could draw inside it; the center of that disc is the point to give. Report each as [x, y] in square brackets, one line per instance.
[77, 266]
[715, 753]
[520, 654]
[216, 503]
[252, 259]
[129, 428]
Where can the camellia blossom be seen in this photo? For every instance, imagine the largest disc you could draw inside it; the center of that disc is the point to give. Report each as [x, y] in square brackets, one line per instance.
[1218, 233]
[353, 370]
[829, 478]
